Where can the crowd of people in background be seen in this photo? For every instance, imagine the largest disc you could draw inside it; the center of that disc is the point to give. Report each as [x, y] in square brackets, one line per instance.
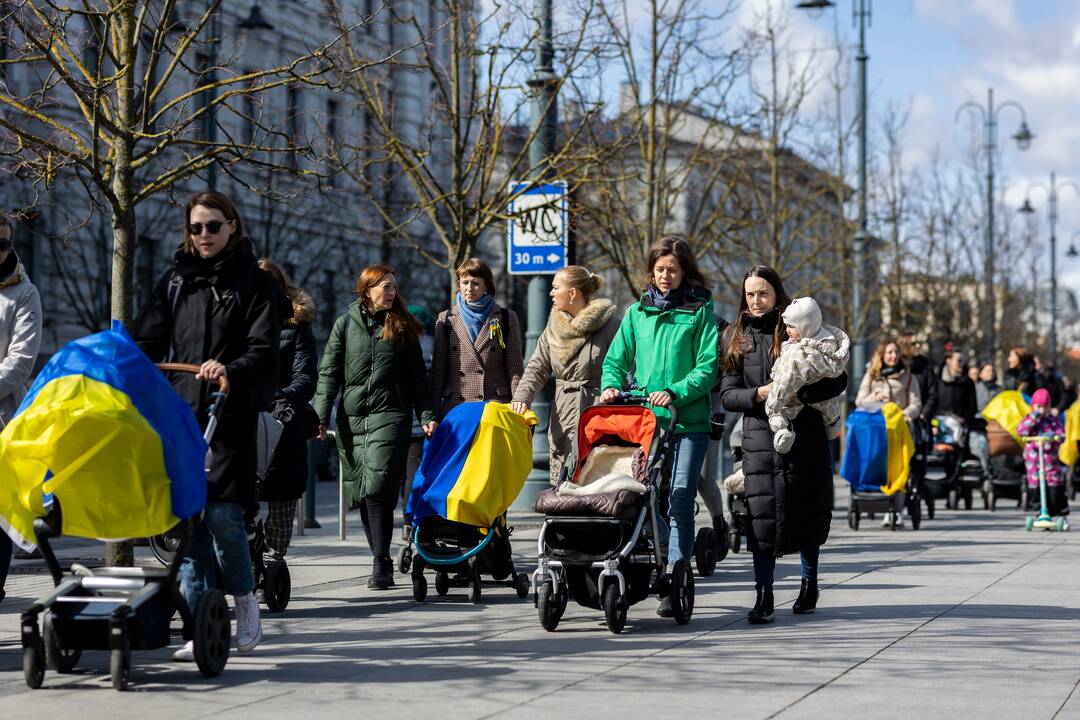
[391, 372]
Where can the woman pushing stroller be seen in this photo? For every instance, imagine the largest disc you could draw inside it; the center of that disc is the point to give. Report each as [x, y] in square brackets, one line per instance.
[669, 338]
[216, 308]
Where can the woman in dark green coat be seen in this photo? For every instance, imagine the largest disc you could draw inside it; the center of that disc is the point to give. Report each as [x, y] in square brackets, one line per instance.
[374, 364]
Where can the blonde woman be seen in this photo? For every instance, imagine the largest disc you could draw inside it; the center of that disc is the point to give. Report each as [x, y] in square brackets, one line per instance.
[572, 348]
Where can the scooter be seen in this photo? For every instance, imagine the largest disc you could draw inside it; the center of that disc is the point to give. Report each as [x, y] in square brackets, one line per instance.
[1043, 521]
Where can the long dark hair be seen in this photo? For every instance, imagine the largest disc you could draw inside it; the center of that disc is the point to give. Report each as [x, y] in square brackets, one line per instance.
[400, 323]
[733, 353]
[672, 245]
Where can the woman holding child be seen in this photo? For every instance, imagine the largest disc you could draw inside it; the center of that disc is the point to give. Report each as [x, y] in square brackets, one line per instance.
[789, 495]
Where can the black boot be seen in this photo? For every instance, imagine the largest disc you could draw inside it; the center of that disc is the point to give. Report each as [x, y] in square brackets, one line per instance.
[380, 579]
[389, 563]
[808, 597]
[762, 612]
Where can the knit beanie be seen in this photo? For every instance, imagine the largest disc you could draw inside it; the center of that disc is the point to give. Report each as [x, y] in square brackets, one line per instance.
[804, 315]
[1040, 397]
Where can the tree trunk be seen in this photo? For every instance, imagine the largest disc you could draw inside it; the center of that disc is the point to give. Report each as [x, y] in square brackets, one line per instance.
[123, 221]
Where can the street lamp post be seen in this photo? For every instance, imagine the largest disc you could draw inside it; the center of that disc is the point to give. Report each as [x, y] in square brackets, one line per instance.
[861, 13]
[1051, 191]
[545, 117]
[1023, 137]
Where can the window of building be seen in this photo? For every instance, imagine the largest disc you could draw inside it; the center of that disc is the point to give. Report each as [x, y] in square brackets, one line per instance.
[202, 99]
[249, 108]
[332, 139]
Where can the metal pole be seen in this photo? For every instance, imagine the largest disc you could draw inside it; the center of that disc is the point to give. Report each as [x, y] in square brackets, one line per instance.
[545, 118]
[1053, 270]
[309, 492]
[861, 234]
[988, 280]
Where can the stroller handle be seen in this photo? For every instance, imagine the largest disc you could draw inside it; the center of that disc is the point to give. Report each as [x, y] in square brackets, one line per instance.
[1042, 438]
[626, 398]
[222, 382]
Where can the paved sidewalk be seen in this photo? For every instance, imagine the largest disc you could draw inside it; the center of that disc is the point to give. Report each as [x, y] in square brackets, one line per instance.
[970, 617]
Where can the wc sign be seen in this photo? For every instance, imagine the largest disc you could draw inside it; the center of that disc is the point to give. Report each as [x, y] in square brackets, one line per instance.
[536, 232]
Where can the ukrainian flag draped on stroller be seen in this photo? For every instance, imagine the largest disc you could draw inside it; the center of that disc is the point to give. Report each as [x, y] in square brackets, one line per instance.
[877, 465]
[473, 469]
[103, 447]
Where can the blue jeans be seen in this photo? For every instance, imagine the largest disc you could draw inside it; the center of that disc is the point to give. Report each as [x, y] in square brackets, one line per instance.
[765, 566]
[220, 540]
[690, 450]
[5, 557]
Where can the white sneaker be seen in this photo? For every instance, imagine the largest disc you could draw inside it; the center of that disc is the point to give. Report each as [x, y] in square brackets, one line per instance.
[186, 653]
[899, 521]
[248, 627]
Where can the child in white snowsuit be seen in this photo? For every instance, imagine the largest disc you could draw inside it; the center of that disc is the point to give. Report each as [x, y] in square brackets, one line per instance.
[812, 352]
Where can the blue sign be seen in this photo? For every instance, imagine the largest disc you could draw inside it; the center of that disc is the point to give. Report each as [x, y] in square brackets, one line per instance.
[536, 232]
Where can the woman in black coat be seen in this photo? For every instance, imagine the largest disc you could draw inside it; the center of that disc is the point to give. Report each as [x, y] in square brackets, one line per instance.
[286, 479]
[216, 308]
[789, 496]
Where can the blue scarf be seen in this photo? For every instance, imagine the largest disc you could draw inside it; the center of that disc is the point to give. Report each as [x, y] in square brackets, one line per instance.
[474, 314]
[666, 301]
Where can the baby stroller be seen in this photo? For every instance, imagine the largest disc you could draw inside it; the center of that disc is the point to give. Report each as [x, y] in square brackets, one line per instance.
[1004, 413]
[878, 457]
[117, 609]
[948, 443]
[601, 549]
[473, 468]
[273, 583]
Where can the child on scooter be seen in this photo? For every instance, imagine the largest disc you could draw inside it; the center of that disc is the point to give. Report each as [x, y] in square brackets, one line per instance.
[1041, 422]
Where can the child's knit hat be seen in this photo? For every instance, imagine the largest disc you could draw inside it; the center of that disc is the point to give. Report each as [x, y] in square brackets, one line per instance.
[1040, 397]
[804, 315]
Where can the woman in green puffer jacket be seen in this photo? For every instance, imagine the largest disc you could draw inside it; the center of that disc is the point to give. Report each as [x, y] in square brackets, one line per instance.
[374, 363]
[669, 340]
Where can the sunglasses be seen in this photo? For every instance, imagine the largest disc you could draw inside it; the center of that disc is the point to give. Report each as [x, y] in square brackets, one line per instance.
[213, 227]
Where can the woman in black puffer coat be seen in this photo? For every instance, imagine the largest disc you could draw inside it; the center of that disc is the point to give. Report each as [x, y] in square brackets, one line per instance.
[217, 309]
[286, 479]
[789, 496]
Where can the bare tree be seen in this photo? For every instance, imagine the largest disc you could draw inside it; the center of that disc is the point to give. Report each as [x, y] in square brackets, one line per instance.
[475, 60]
[129, 100]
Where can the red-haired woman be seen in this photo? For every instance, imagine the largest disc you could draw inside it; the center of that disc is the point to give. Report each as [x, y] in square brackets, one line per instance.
[374, 370]
[216, 308]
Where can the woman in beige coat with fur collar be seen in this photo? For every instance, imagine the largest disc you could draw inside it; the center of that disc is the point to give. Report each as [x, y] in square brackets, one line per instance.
[572, 348]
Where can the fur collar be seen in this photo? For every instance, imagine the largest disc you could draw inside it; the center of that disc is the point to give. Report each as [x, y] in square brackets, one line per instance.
[566, 335]
[303, 309]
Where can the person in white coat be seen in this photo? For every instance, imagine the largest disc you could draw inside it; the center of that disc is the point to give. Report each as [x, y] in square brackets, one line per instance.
[20, 338]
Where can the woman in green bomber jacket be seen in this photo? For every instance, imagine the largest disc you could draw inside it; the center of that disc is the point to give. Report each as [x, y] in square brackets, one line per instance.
[669, 339]
[374, 362]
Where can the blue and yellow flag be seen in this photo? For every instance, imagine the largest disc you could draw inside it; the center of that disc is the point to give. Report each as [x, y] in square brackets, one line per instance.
[474, 465]
[878, 450]
[104, 432]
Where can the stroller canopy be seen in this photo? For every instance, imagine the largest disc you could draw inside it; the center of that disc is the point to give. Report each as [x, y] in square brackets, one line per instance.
[474, 465]
[626, 424]
[878, 450]
[1007, 409]
[104, 432]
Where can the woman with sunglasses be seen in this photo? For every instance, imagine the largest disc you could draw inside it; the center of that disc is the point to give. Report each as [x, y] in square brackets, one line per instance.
[215, 308]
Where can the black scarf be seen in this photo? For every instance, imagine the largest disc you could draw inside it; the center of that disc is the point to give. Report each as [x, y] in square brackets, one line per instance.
[890, 370]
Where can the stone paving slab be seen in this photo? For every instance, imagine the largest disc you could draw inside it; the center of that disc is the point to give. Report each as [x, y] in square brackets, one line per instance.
[969, 617]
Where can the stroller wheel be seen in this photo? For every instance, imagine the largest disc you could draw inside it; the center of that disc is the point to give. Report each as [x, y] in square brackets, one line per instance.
[549, 606]
[120, 667]
[57, 658]
[614, 607]
[212, 633]
[442, 583]
[735, 541]
[522, 585]
[930, 503]
[474, 582]
[705, 552]
[853, 518]
[915, 513]
[34, 665]
[969, 499]
[404, 559]
[277, 586]
[419, 587]
[723, 536]
[164, 548]
[681, 592]
[991, 501]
